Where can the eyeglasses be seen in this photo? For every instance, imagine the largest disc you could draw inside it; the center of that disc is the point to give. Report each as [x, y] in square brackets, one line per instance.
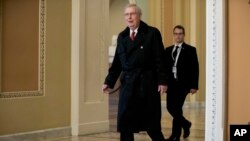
[178, 33]
[129, 14]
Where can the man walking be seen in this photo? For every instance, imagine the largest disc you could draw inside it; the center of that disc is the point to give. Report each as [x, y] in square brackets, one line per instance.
[183, 72]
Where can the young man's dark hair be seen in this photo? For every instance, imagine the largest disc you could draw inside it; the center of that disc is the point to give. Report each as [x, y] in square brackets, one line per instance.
[179, 27]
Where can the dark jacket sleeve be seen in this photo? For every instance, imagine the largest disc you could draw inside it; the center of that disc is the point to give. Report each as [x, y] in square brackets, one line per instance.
[195, 72]
[159, 58]
[114, 70]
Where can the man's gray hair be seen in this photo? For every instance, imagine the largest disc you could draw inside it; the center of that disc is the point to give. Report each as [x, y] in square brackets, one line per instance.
[137, 8]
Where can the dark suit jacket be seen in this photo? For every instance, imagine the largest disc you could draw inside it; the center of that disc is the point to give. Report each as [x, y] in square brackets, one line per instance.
[187, 66]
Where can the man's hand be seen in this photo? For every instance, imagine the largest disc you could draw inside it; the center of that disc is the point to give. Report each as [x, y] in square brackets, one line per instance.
[193, 91]
[162, 89]
[105, 88]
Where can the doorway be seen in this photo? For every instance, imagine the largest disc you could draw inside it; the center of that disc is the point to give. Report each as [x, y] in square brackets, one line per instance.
[214, 64]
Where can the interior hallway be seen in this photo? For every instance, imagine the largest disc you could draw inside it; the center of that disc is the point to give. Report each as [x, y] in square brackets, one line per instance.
[195, 114]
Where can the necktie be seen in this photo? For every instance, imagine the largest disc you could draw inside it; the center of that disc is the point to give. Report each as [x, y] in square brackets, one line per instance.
[175, 52]
[132, 37]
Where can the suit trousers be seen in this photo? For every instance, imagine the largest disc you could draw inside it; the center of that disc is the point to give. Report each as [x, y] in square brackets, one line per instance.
[176, 96]
[154, 135]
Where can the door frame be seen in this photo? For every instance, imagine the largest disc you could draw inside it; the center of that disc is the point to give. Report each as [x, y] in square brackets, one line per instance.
[215, 112]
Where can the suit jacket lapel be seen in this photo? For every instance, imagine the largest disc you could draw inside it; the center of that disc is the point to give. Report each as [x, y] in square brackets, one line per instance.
[182, 53]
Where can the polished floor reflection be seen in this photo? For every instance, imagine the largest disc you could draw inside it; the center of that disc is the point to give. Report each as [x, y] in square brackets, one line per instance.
[195, 114]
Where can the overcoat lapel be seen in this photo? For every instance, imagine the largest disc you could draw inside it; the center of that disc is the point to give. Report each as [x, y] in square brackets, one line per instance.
[133, 45]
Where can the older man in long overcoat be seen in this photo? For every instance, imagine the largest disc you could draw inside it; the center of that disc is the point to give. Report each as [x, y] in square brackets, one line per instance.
[139, 58]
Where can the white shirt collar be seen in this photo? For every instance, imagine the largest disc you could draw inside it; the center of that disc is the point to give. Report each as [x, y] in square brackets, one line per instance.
[136, 30]
[179, 45]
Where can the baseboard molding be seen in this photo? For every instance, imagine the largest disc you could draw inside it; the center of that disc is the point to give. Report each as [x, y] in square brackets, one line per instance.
[38, 135]
[188, 104]
[94, 127]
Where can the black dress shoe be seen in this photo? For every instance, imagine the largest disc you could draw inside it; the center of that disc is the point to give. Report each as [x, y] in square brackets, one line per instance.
[171, 138]
[187, 130]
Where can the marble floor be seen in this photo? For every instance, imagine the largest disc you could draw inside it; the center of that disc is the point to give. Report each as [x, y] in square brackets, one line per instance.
[195, 114]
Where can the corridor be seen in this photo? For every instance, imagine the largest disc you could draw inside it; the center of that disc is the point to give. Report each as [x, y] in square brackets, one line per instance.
[195, 114]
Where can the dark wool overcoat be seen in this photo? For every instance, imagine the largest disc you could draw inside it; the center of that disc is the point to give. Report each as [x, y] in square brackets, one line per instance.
[141, 65]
